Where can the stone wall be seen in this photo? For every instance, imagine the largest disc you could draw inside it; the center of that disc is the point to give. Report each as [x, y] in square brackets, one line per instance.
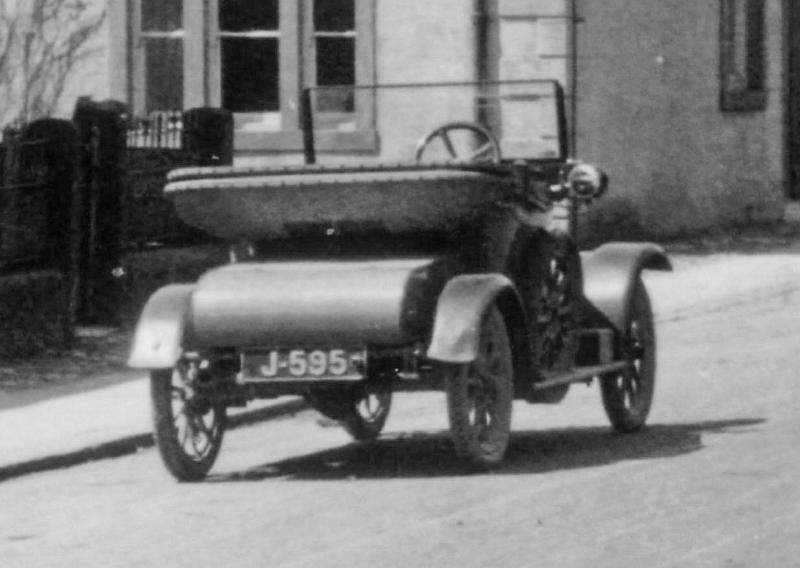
[648, 111]
[534, 39]
[645, 74]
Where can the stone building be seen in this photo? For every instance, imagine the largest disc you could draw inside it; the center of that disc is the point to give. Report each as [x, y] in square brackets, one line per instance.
[691, 105]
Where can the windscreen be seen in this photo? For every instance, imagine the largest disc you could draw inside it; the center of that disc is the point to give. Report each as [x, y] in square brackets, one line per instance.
[448, 122]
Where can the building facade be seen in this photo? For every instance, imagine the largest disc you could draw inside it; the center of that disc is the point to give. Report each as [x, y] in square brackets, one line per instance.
[685, 102]
[691, 105]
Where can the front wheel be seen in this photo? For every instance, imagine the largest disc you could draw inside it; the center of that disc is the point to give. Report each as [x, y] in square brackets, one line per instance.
[480, 397]
[188, 422]
[628, 394]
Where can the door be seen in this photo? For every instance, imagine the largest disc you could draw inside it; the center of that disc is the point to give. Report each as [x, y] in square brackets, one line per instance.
[792, 32]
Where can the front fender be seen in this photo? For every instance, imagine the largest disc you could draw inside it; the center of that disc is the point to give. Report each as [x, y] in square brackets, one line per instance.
[610, 274]
[159, 336]
[459, 311]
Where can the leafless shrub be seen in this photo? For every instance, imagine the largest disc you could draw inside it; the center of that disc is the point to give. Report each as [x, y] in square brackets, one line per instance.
[41, 43]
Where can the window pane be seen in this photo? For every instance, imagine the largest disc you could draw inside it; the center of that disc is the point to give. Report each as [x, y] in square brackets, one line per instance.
[250, 73]
[738, 61]
[334, 15]
[247, 15]
[336, 61]
[162, 15]
[755, 44]
[742, 55]
[164, 74]
[336, 66]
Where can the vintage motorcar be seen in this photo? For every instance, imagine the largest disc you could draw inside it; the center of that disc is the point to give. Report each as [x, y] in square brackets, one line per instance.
[445, 258]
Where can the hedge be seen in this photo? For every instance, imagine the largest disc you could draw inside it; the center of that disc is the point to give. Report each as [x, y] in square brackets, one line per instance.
[33, 313]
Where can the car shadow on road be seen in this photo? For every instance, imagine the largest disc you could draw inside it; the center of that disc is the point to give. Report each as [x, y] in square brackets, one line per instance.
[430, 454]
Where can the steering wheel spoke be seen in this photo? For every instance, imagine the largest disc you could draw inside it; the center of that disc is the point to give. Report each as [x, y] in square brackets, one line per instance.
[484, 148]
[448, 144]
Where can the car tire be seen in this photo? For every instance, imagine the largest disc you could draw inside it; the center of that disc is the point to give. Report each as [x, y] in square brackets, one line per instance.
[361, 410]
[480, 397]
[188, 427]
[628, 394]
[368, 412]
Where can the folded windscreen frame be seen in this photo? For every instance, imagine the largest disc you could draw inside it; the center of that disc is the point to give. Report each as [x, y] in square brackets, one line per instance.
[455, 122]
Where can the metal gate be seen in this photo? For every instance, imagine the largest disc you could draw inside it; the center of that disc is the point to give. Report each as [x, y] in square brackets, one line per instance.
[123, 167]
[35, 182]
[155, 145]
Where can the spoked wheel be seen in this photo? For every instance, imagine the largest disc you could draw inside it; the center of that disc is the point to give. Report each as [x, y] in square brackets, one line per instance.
[362, 409]
[189, 425]
[628, 394]
[369, 410]
[480, 396]
[549, 282]
[482, 147]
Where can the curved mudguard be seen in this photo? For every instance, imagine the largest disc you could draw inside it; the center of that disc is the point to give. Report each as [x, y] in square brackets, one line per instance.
[159, 336]
[459, 311]
[610, 273]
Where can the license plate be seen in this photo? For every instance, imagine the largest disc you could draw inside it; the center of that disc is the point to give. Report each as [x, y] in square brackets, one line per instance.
[283, 364]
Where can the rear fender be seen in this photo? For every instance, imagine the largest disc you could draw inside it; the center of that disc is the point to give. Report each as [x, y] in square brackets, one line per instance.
[460, 309]
[610, 274]
[159, 337]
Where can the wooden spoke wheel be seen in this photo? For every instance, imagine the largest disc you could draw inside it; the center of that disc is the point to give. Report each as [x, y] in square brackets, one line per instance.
[361, 409]
[188, 423]
[480, 396]
[628, 394]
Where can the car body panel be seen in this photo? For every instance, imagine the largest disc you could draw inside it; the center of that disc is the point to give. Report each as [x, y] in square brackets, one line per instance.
[302, 304]
[160, 332]
[459, 311]
[611, 272]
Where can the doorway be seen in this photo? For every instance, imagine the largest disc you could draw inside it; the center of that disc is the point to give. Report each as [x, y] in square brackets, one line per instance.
[792, 88]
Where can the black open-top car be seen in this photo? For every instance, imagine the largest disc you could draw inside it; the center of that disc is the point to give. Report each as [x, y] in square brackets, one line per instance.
[444, 258]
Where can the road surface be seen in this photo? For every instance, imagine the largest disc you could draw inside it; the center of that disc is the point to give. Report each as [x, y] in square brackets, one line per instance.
[712, 481]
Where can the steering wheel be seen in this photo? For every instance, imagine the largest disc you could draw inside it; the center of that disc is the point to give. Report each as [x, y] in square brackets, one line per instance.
[487, 150]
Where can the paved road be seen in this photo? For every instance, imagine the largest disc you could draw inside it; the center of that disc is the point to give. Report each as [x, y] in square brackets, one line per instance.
[712, 482]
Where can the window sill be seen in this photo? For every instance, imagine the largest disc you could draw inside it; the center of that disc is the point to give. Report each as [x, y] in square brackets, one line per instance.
[742, 100]
[290, 141]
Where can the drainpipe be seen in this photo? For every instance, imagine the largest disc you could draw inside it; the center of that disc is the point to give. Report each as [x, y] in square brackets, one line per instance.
[573, 76]
[480, 23]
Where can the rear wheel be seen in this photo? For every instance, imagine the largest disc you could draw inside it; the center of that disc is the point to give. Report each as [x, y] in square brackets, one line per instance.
[369, 410]
[628, 394]
[480, 397]
[362, 409]
[188, 423]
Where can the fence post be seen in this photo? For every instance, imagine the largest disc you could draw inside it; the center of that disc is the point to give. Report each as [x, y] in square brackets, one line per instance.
[98, 213]
[58, 138]
[8, 199]
[207, 136]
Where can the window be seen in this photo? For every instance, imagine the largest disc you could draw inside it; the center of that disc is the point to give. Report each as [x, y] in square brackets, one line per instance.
[249, 35]
[334, 53]
[254, 57]
[160, 54]
[742, 60]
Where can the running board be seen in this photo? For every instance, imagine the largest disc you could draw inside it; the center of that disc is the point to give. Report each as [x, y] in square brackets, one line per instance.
[577, 375]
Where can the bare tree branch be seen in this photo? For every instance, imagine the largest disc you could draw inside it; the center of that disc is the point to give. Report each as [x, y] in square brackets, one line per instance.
[42, 43]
